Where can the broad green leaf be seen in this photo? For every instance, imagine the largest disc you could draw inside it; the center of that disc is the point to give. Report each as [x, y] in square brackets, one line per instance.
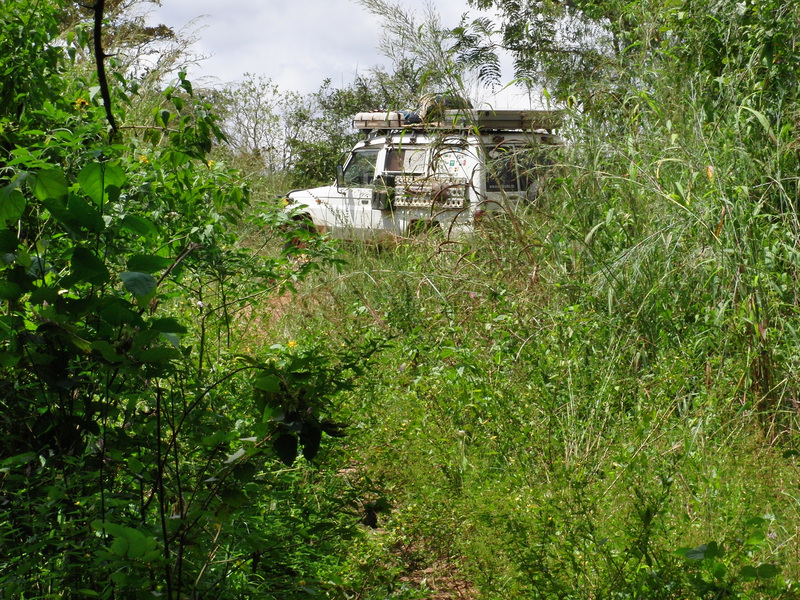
[107, 351]
[148, 264]
[15, 186]
[83, 345]
[168, 325]
[143, 302]
[244, 472]
[219, 438]
[748, 573]
[757, 538]
[7, 359]
[86, 215]
[140, 225]
[12, 205]
[172, 338]
[18, 460]
[767, 571]
[119, 546]
[118, 312]
[59, 211]
[8, 241]
[137, 543]
[50, 185]
[185, 83]
[113, 193]
[10, 291]
[268, 383]
[144, 339]
[701, 552]
[26, 260]
[234, 498]
[273, 413]
[114, 175]
[96, 178]
[44, 294]
[151, 556]
[157, 355]
[90, 179]
[285, 446]
[107, 527]
[87, 267]
[138, 284]
[135, 465]
[310, 438]
[176, 159]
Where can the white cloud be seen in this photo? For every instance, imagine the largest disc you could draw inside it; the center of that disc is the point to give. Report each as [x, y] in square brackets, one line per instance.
[296, 43]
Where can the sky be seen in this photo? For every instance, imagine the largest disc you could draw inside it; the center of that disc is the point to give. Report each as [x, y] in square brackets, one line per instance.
[296, 43]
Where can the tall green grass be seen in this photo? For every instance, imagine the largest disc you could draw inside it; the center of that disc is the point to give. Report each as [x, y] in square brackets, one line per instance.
[599, 400]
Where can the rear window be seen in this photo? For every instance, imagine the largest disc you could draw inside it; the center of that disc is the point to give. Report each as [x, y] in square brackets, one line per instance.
[514, 168]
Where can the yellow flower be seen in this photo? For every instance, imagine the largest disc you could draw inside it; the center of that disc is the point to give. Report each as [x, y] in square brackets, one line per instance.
[81, 103]
[143, 159]
[292, 344]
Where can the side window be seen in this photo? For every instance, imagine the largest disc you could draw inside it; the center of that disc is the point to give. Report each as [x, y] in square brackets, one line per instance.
[532, 168]
[501, 170]
[513, 169]
[360, 169]
[409, 161]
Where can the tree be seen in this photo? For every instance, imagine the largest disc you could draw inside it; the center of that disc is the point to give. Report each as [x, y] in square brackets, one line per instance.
[272, 132]
[578, 48]
[133, 444]
[597, 52]
[252, 121]
[421, 52]
[136, 48]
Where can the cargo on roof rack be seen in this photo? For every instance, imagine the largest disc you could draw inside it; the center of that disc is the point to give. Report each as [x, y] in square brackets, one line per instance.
[461, 119]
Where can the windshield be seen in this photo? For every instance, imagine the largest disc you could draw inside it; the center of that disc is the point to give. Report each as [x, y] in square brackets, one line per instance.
[360, 169]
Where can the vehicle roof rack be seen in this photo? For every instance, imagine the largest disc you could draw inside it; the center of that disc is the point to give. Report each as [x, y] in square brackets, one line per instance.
[461, 119]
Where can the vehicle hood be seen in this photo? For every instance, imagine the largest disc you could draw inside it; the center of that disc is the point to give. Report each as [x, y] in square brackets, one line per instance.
[310, 196]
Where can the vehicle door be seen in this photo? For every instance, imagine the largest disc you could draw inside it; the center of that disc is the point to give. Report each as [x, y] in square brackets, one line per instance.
[357, 184]
[404, 176]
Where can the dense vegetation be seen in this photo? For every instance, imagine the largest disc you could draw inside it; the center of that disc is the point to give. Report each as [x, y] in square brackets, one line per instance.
[596, 397]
